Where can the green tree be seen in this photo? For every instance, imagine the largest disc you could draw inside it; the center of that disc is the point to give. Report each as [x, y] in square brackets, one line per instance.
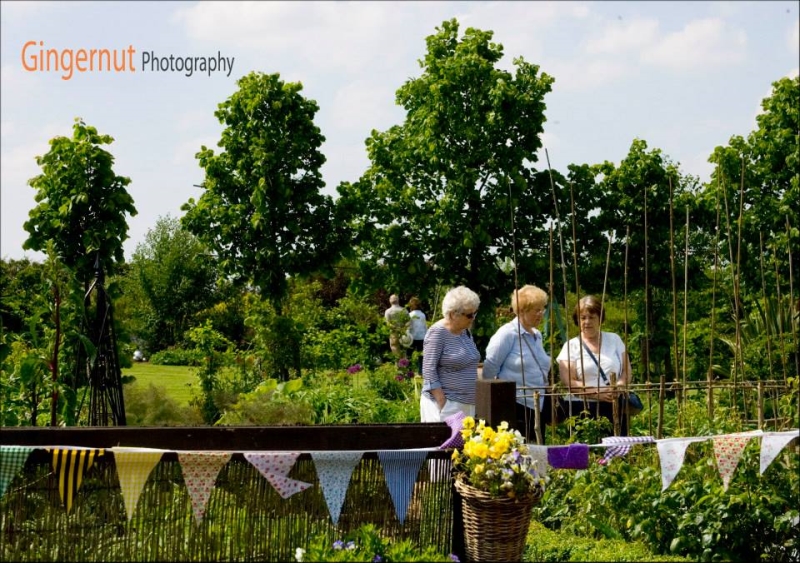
[435, 205]
[759, 178]
[636, 203]
[81, 203]
[171, 278]
[262, 212]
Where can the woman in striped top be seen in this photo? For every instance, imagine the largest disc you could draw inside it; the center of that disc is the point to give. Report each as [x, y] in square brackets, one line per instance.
[450, 359]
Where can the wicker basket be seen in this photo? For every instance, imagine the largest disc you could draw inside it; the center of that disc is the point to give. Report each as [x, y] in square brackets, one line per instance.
[495, 528]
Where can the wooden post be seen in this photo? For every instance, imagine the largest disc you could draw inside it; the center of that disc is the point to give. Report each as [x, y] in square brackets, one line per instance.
[495, 402]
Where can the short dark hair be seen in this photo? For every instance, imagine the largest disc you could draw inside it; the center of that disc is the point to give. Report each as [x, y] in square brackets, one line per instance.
[591, 304]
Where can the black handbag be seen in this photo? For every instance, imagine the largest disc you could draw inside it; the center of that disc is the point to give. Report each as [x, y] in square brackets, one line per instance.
[634, 403]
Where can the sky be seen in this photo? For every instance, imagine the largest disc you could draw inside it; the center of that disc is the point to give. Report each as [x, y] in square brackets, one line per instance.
[683, 76]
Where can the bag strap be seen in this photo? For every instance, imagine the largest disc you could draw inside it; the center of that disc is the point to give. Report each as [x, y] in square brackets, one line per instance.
[602, 373]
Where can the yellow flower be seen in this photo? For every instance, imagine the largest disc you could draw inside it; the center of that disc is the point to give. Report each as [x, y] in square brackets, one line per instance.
[488, 433]
[469, 423]
[504, 425]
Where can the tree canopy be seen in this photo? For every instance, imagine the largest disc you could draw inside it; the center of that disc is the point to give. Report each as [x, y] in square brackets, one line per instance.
[435, 205]
[262, 212]
[81, 203]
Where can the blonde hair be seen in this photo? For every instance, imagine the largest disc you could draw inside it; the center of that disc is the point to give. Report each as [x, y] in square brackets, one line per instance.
[526, 298]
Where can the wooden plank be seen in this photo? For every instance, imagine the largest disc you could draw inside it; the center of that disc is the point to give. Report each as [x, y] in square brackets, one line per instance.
[364, 437]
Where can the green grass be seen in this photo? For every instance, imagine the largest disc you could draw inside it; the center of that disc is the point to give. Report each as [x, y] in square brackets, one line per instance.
[175, 379]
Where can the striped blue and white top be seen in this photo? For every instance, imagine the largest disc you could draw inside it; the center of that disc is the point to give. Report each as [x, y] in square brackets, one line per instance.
[450, 362]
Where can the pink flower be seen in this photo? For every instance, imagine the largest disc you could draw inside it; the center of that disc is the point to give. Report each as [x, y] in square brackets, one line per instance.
[354, 368]
[402, 363]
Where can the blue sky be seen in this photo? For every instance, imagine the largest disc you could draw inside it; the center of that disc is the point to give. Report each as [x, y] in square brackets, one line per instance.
[683, 76]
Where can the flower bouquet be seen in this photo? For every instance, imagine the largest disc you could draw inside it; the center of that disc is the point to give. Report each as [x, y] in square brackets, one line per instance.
[499, 485]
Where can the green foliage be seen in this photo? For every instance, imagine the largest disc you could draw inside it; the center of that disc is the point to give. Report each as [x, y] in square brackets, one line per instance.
[210, 344]
[153, 406]
[367, 544]
[262, 213]
[433, 208]
[271, 403]
[695, 517]
[171, 279]
[551, 546]
[760, 176]
[177, 357]
[81, 203]
[345, 398]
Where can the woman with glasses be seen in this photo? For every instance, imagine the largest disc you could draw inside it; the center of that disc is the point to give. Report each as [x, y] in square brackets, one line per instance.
[516, 353]
[450, 359]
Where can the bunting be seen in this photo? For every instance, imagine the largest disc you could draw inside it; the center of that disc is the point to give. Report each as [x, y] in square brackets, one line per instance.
[539, 455]
[200, 470]
[69, 464]
[400, 469]
[772, 443]
[728, 451]
[574, 456]
[619, 446]
[671, 452]
[334, 470]
[12, 458]
[134, 466]
[275, 466]
[456, 423]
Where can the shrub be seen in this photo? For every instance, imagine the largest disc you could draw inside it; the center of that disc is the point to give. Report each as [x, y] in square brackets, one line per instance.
[177, 357]
[151, 406]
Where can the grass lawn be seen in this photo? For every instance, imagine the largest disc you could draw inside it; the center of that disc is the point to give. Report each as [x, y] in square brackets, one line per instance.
[176, 379]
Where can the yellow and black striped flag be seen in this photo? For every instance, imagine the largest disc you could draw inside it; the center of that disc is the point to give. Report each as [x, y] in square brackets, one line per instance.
[69, 465]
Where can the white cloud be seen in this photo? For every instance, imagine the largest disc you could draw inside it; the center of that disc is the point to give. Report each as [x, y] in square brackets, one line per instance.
[701, 44]
[794, 38]
[793, 73]
[319, 33]
[582, 74]
[623, 36]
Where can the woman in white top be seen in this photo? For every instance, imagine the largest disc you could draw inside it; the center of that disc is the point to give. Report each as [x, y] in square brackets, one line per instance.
[598, 386]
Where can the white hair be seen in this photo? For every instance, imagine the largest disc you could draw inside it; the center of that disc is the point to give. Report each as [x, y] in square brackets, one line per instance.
[458, 300]
[394, 299]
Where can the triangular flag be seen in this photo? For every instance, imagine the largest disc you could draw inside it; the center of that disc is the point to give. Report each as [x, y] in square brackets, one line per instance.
[334, 470]
[772, 443]
[200, 470]
[134, 466]
[456, 423]
[69, 465]
[12, 458]
[275, 466]
[671, 452]
[728, 451]
[539, 456]
[400, 470]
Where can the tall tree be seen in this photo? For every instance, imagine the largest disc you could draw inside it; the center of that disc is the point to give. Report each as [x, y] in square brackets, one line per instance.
[262, 212]
[81, 203]
[80, 218]
[764, 169]
[435, 206]
[636, 200]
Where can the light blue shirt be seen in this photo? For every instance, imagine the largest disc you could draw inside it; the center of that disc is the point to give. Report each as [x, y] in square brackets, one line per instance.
[506, 355]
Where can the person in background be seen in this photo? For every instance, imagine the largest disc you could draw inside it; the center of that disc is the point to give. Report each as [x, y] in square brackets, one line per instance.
[394, 336]
[516, 353]
[450, 359]
[594, 366]
[419, 327]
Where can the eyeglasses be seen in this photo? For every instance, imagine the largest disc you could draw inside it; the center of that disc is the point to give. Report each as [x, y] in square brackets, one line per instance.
[470, 315]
